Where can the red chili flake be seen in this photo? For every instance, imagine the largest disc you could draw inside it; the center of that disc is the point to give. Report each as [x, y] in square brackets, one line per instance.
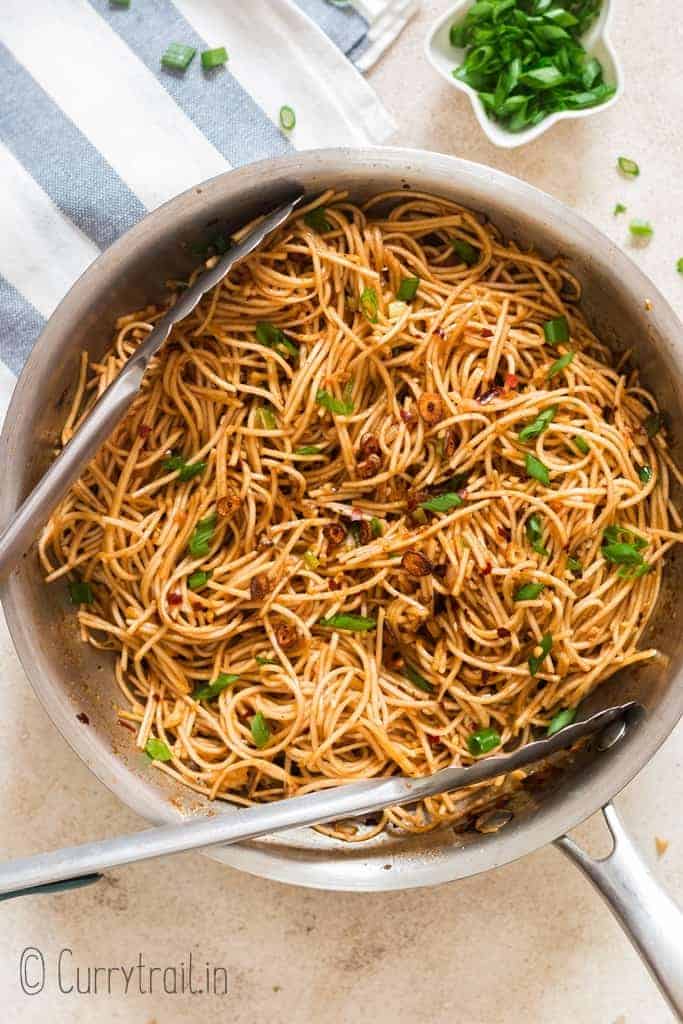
[486, 332]
[439, 333]
[505, 533]
[335, 584]
[174, 598]
[408, 417]
[434, 741]
[489, 396]
[486, 570]
[503, 632]
[144, 431]
[82, 717]
[511, 381]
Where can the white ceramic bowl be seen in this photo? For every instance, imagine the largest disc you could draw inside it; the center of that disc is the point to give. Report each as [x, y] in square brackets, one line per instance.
[445, 58]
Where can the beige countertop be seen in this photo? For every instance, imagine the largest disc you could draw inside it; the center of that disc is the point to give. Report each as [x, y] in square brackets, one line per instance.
[530, 942]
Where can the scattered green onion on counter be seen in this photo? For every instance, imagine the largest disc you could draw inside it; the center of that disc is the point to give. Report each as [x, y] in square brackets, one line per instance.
[287, 118]
[215, 58]
[628, 167]
[619, 208]
[178, 56]
[641, 229]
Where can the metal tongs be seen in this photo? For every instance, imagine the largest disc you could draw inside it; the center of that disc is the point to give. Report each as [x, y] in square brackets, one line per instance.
[80, 865]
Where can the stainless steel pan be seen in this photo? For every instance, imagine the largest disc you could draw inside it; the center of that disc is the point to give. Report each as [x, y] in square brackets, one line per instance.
[69, 678]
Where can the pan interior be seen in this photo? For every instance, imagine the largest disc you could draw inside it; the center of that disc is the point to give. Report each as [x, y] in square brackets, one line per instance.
[70, 677]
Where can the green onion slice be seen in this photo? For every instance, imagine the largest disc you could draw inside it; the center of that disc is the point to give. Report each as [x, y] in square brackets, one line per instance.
[653, 424]
[629, 167]
[287, 118]
[560, 720]
[619, 208]
[679, 265]
[376, 527]
[177, 56]
[317, 219]
[157, 750]
[535, 661]
[353, 623]
[119, 3]
[214, 58]
[575, 567]
[274, 337]
[538, 425]
[186, 471]
[483, 741]
[220, 683]
[560, 364]
[582, 444]
[260, 731]
[537, 470]
[199, 579]
[528, 592]
[267, 417]
[311, 561]
[411, 673]
[641, 229]
[467, 253]
[262, 659]
[556, 330]
[442, 503]
[534, 534]
[645, 474]
[340, 406]
[80, 592]
[307, 449]
[201, 537]
[369, 304]
[407, 290]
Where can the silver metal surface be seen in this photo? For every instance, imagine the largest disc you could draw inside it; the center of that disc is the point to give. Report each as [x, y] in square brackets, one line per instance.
[112, 405]
[650, 918]
[623, 307]
[78, 863]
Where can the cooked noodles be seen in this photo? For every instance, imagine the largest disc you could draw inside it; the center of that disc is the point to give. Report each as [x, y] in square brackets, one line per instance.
[359, 524]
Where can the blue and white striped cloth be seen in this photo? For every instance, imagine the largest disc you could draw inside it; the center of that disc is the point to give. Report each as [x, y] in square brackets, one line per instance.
[94, 132]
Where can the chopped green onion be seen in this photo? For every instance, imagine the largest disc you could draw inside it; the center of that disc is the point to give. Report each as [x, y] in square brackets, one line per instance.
[467, 253]
[537, 469]
[311, 561]
[274, 337]
[376, 527]
[556, 330]
[369, 304]
[339, 406]
[653, 424]
[645, 474]
[186, 471]
[201, 537]
[268, 417]
[407, 290]
[582, 444]
[534, 534]
[679, 265]
[354, 623]
[80, 592]
[619, 208]
[528, 592]
[560, 364]
[621, 534]
[560, 720]
[629, 167]
[287, 118]
[260, 731]
[214, 58]
[483, 741]
[641, 229]
[157, 750]
[317, 220]
[538, 425]
[535, 661]
[575, 567]
[119, 3]
[442, 503]
[307, 449]
[199, 579]
[411, 673]
[220, 683]
[262, 659]
[621, 554]
[177, 56]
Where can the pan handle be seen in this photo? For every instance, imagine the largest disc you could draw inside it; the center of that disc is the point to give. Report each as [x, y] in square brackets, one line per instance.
[650, 918]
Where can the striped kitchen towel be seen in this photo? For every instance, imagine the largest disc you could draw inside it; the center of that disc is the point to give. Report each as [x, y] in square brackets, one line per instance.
[94, 132]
